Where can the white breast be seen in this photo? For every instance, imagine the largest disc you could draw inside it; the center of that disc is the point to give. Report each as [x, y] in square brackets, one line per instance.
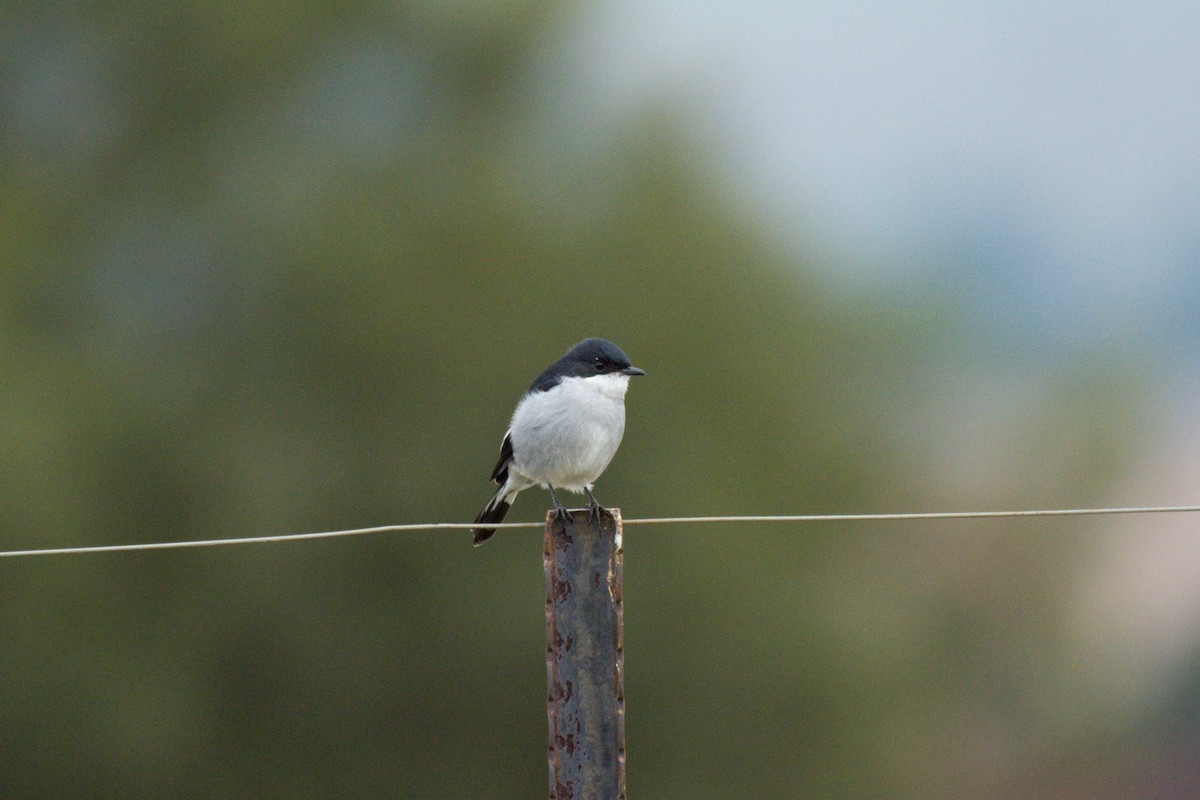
[565, 437]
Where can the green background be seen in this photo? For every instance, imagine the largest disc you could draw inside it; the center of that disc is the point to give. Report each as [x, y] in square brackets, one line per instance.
[279, 268]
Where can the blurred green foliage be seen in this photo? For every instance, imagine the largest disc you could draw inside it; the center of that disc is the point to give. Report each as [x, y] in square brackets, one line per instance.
[277, 268]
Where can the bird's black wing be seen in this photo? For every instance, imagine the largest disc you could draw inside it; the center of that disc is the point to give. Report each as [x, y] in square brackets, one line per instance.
[500, 473]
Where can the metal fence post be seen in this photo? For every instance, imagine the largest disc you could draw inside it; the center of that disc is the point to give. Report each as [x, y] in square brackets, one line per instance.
[585, 657]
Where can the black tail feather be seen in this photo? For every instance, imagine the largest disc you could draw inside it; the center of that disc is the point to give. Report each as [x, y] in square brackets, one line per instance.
[492, 513]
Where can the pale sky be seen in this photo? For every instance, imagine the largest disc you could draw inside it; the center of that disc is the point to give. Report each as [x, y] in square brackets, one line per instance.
[1047, 153]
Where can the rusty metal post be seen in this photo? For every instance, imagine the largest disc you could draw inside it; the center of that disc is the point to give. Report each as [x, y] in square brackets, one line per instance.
[585, 657]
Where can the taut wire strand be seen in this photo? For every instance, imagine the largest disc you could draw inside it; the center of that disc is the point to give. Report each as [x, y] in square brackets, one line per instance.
[429, 526]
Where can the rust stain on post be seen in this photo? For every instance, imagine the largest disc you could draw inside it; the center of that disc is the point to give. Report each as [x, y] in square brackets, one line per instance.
[585, 657]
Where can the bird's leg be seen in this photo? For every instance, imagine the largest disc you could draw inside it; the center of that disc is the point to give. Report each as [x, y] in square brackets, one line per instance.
[594, 507]
[560, 511]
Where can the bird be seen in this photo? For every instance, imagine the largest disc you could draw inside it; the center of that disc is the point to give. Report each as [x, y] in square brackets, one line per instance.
[564, 432]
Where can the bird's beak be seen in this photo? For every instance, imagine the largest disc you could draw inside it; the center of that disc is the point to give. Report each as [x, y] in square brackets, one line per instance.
[633, 371]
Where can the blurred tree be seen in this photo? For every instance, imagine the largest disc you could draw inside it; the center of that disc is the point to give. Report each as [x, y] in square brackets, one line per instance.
[285, 268]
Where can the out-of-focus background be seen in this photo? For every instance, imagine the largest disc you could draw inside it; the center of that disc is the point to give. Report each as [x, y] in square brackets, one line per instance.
[276, 268]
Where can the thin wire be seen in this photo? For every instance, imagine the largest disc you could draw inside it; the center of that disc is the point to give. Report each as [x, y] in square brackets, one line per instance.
[429, 526]
[1053, 512]
[287, 537]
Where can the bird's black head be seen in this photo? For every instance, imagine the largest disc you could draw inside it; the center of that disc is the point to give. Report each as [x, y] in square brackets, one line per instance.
[599, 357]
[589, 357]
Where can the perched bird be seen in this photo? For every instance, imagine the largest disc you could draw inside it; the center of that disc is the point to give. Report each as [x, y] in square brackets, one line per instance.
[565, 430]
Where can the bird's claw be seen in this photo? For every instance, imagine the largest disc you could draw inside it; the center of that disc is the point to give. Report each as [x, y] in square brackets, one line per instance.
[595, 510]
[561, 512]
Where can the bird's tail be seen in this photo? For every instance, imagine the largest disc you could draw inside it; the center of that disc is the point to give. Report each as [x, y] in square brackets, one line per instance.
[493, 513]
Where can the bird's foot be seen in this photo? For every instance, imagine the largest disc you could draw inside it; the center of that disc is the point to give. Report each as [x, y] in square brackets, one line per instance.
[561, 512]
[595, 510]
